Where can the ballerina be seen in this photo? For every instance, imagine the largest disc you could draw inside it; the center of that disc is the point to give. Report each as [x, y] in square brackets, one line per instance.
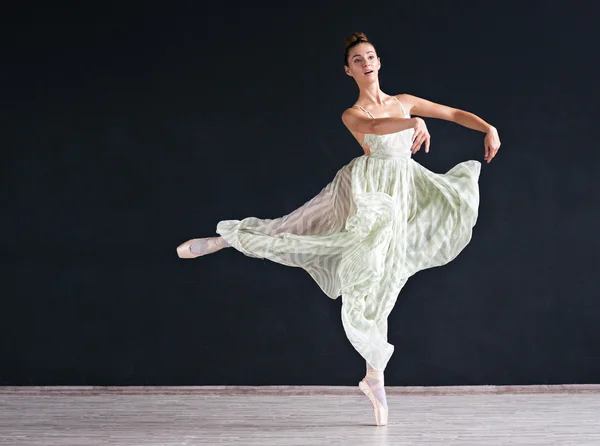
[382, 218]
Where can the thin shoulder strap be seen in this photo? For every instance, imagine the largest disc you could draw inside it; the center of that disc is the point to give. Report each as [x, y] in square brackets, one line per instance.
[403, 110]
[366, 111]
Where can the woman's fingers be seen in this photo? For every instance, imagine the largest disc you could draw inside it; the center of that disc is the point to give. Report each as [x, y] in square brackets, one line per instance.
[491, 144]
[415, 136]
[490, 152]
[417, 144]
[415, 141]
[421, 138]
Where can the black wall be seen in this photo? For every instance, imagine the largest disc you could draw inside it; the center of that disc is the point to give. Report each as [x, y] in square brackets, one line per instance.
[127, 130]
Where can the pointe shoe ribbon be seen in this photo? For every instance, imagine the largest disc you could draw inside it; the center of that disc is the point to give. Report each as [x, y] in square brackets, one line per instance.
[379, 410]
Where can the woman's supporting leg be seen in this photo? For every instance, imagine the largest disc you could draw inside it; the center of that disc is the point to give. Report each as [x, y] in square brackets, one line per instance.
[372, 386]
[375, 380]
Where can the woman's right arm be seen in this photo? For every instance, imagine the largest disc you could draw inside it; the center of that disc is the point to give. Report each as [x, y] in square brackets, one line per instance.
[358, 122]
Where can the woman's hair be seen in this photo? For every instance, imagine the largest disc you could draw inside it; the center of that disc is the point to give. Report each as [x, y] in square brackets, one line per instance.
[352, 40]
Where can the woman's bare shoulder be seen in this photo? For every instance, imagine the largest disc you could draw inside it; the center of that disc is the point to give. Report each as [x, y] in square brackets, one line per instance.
[352, 111]
[351, 115]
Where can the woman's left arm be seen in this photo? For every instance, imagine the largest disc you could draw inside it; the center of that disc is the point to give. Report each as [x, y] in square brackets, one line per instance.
[427, 109]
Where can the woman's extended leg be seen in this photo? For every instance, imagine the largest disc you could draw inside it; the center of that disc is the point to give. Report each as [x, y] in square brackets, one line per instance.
[324, 214]
[197, 247]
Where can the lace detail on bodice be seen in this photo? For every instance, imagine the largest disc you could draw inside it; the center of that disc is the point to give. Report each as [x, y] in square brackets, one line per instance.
[393, 145]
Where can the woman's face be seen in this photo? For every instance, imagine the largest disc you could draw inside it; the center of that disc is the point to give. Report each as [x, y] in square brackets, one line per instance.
[363, 63]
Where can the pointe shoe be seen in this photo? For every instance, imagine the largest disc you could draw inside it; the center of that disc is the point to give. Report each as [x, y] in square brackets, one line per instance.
[211, 244]
[380, 411]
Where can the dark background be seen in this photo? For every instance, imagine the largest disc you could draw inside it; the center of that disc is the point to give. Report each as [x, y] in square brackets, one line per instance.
[128, 129]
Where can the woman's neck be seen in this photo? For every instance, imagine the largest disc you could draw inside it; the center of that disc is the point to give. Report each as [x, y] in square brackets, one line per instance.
[372, 94]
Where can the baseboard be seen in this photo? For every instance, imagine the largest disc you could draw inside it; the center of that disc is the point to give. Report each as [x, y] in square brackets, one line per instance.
[295, 390]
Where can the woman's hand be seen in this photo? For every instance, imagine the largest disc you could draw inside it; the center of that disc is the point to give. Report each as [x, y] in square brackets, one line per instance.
[420, 136]
[491, 143]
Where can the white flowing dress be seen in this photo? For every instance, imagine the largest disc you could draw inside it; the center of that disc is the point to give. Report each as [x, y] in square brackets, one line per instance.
[381, 219]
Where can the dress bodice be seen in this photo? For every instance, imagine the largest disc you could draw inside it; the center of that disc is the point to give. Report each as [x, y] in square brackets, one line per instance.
[392, 145]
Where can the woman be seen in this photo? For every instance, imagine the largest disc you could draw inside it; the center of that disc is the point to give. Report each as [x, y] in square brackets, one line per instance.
[382, 218]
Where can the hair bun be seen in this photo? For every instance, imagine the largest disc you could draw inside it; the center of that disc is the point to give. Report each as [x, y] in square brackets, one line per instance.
[356, 37]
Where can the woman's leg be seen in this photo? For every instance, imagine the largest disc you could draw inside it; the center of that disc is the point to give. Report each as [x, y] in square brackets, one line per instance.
[208, 245]
[372, 385]
[197, 247]
[375, 380]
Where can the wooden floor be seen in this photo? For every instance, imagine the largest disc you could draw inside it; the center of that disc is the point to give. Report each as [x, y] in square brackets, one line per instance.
[482, 416]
